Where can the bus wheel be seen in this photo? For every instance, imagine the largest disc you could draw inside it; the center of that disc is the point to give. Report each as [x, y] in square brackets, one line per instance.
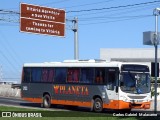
[97, 105]
[46, 101]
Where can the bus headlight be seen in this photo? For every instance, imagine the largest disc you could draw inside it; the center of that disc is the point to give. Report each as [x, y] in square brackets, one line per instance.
[124, 98]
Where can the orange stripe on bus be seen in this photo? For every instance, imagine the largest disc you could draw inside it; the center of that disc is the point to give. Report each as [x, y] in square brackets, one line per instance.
[61, 102]
[35, 100]
[114, 104]
[68, 102]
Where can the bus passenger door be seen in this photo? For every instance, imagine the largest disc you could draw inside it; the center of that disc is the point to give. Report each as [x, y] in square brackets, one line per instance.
[112, 87]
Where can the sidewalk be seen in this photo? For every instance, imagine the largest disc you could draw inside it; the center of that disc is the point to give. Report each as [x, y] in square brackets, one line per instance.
[152, 105]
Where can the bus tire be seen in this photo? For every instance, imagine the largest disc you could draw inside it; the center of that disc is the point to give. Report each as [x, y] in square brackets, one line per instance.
[97, 105]
[46, 101]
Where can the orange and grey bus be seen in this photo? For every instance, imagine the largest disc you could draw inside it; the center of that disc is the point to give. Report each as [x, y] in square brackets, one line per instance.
[96, 84]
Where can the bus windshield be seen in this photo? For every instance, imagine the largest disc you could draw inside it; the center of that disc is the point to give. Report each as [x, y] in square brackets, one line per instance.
[134, 82]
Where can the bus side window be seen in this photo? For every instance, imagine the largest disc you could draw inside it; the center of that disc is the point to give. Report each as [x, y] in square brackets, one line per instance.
[87, 75]
[44, 74]
[73, 75]
[60, 75]
[111, 78]
[36, 74]
[47, 74]
[100, 75]
[26, 75]
[51, 75]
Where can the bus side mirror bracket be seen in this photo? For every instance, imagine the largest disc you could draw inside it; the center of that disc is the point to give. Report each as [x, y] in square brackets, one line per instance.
[110, 87]
[116, 89]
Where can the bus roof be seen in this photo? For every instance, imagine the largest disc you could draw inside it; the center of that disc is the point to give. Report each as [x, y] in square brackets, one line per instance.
[78, 63]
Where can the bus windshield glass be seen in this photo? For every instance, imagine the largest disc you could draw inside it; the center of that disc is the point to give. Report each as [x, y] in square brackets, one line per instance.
[135, 81]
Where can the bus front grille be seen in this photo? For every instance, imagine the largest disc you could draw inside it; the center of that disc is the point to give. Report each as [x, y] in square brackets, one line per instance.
[136, 97]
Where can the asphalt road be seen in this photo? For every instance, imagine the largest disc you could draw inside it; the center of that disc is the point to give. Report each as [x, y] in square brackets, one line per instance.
[8, 101]
[11, 101]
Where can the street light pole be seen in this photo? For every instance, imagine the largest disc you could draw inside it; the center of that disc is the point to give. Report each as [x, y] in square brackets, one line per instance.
[155, 42]
[76, 45]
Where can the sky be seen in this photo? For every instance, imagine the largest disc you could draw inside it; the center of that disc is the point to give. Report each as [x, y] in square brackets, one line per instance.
[101, 24]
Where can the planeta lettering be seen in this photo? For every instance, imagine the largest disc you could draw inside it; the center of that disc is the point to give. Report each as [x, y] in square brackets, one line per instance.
[77, 90]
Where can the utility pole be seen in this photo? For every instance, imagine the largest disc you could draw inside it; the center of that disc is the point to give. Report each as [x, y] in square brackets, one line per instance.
[156, 12]
[152, 38]
[76, 44]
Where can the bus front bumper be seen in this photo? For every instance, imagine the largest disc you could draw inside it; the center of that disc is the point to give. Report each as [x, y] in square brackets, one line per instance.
[119, 104]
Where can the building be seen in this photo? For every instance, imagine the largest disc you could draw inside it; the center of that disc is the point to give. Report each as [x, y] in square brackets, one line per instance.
[138, 55]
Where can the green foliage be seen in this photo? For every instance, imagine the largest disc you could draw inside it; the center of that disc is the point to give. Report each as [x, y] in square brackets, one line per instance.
[153, 80]
[153, 92]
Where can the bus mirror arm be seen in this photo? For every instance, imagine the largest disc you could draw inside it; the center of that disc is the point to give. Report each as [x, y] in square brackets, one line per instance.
[116, 89]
